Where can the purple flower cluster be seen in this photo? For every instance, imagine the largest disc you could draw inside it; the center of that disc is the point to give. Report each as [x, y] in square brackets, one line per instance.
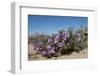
[57, 43]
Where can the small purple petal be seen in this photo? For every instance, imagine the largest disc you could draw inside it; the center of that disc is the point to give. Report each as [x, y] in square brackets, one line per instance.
[60, 44]
[44, 53]
[50, 40]
[57, 36]
[49, 47]
[51, 51]
[55, 40]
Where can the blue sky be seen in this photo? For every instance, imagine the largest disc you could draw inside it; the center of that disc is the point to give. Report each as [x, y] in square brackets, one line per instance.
[52, 24]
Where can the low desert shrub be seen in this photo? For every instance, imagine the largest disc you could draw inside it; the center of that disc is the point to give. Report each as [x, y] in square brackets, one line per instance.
[61, 43]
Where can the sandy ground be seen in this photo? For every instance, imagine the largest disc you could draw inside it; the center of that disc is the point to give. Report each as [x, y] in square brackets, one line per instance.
[82, 54]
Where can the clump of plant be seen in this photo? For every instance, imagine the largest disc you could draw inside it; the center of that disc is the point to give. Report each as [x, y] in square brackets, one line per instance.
[61, 43]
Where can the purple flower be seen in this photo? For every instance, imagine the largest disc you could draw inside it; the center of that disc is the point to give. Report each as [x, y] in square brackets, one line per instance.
[53, 48]
[44, 53]
[49, 47]
[50, 40]
[35, 47]
[51, 51]
[60, 44]
[57, 36]
[65, 35]
[55, 40]
[77, 34]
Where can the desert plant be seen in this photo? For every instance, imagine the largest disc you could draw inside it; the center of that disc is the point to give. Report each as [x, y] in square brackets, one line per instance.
[61, 43]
